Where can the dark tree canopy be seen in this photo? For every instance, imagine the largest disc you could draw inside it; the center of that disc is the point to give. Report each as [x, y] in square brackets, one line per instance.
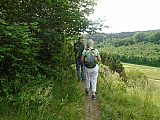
[36, 38]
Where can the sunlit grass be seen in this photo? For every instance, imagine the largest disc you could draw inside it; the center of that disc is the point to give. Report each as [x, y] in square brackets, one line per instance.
[128, 101]
[150, 72]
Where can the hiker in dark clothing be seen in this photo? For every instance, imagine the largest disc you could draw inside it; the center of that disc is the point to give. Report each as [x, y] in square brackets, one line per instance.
[79, 46]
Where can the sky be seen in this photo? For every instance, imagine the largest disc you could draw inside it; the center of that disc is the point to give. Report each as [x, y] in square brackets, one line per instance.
[128, 15]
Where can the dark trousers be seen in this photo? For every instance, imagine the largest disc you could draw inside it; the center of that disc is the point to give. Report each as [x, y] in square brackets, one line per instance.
[80, 69]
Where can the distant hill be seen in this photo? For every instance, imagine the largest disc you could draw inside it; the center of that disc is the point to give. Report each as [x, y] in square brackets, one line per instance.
[126, 38]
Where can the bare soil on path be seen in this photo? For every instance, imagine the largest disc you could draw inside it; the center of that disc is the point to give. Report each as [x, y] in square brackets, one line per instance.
[91, 107]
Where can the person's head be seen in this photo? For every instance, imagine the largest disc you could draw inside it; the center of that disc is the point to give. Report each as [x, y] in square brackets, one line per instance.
[90, 43]
[80, 39]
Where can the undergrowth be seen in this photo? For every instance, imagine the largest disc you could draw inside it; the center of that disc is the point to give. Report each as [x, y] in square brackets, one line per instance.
[54, 99]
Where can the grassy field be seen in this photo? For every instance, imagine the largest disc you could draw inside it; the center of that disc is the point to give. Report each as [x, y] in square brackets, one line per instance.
[150, 72]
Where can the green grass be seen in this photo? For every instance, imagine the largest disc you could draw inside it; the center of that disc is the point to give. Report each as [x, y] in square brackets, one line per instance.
[132, 101]
[56, 100]
[62, 99]
[150, 72]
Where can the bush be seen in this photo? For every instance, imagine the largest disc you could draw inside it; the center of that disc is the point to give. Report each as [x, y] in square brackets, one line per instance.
[114, 65]
[18, 62]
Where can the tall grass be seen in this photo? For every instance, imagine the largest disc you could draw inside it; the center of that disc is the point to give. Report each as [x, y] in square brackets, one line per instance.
[59, 99]
[129, 101]
[62, 99]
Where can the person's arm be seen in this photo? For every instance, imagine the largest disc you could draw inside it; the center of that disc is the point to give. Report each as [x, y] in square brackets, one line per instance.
[82, 58]
[99, 57]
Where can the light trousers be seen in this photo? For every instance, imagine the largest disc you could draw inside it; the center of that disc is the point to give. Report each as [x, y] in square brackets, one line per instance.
[91, 77]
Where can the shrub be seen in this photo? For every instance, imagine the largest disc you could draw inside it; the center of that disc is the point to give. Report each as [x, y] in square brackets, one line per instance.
[18, 62]
[114, 65]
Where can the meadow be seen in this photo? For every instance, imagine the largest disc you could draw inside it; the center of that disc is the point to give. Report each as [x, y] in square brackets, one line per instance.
[150, 72]
[134, 100]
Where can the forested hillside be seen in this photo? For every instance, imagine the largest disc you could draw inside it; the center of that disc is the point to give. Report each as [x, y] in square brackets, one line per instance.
[126, 38]
[135, 47]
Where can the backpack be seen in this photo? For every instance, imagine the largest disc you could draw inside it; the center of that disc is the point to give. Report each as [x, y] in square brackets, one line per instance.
[78, 48]
[90, 58]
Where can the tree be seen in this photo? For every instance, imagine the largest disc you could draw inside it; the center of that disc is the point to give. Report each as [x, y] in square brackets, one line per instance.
[44, 30]
[56, 20]
[139, 37]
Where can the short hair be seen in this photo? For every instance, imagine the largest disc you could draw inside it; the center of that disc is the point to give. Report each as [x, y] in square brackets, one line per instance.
[90, 43]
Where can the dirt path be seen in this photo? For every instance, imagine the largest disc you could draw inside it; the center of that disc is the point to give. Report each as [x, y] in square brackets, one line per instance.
[91, 106]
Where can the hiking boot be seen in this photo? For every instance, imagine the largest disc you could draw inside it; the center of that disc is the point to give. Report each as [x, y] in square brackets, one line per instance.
[94, 97]
[87, 92]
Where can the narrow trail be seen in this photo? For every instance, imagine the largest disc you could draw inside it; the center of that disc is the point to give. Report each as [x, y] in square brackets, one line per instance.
[92, 110]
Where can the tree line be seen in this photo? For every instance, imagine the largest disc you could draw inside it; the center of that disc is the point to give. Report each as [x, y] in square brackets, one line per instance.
[126, 38]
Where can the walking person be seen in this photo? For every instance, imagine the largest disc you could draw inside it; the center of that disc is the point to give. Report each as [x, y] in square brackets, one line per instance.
[90, 57]
[79, 46]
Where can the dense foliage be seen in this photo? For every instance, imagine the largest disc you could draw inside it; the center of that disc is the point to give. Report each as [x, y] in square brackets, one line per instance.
[113, 64]
[36, 39]
[18, 56]
[141, 53]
